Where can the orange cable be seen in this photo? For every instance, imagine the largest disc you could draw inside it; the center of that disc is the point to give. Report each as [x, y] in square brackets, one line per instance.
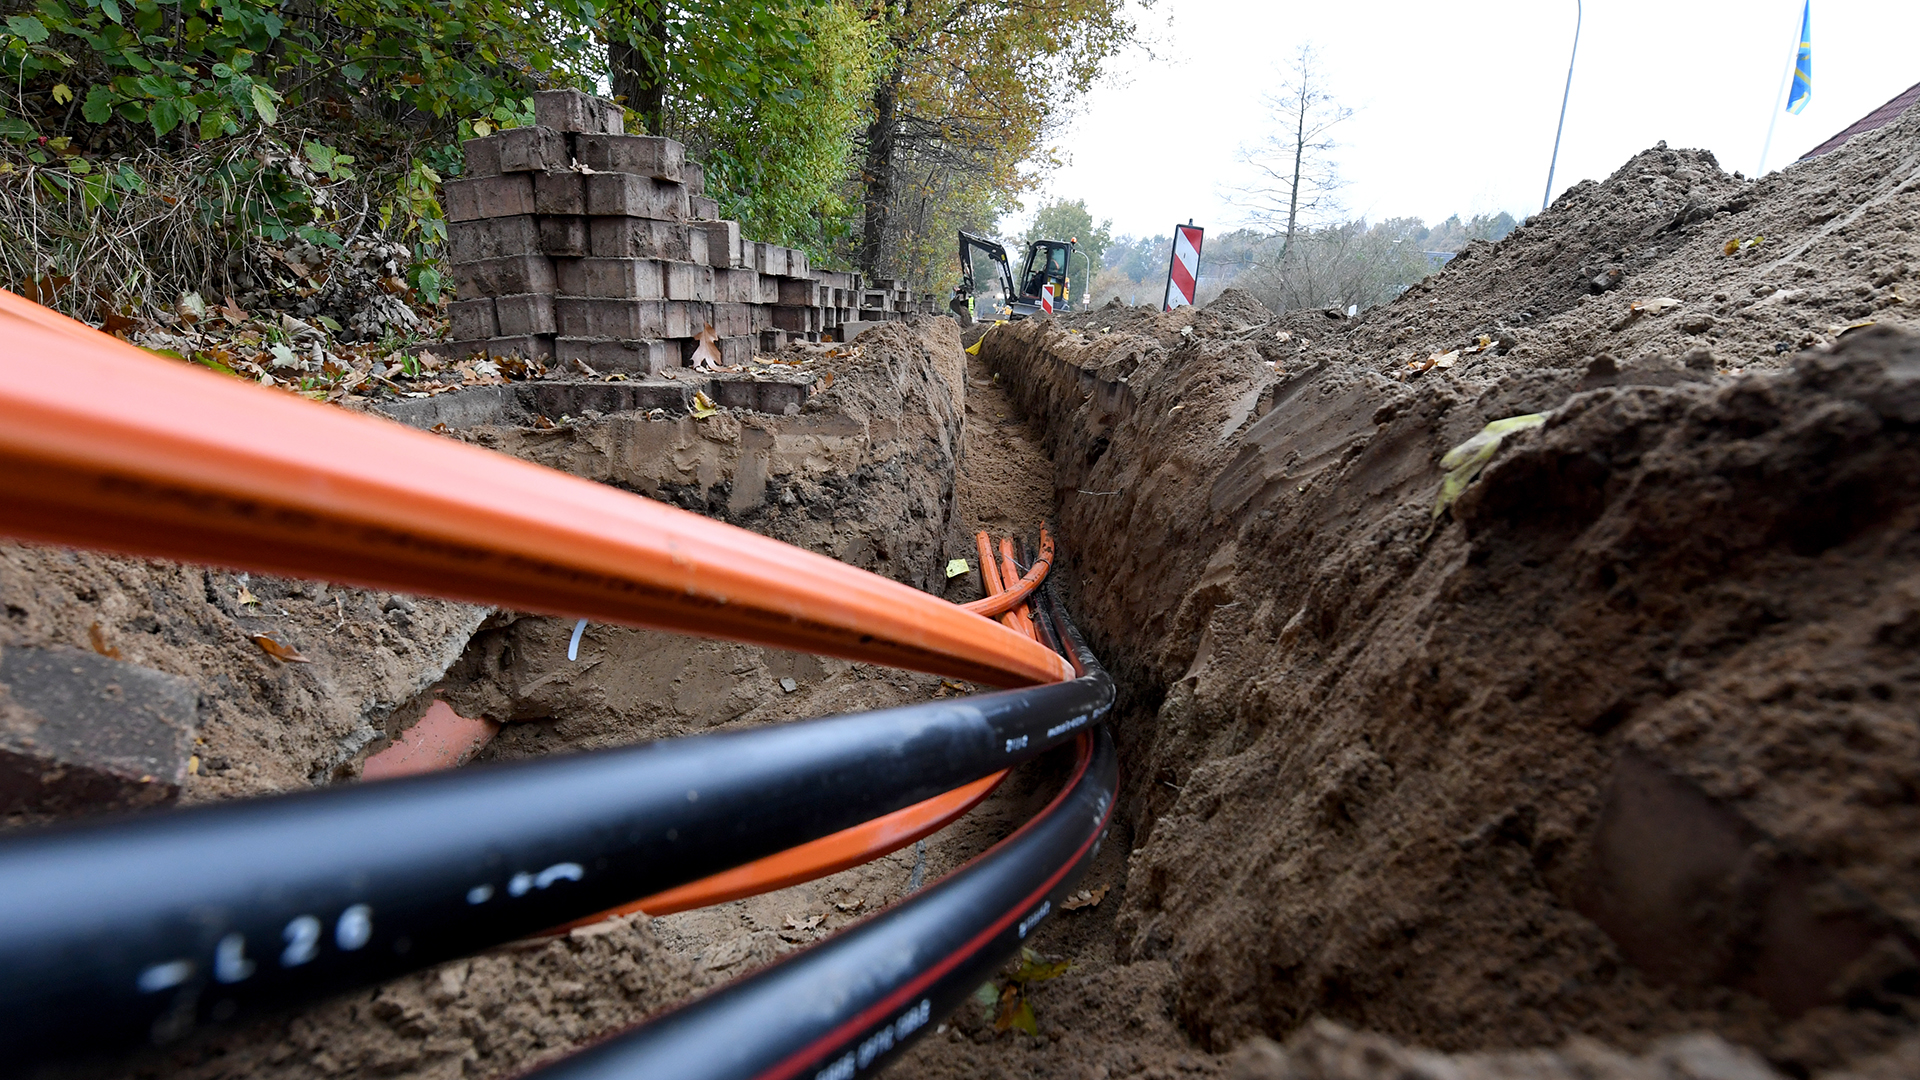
[106, 445]
[1005, 600]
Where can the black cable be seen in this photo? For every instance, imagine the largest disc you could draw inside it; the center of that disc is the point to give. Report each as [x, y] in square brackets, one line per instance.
[136, 930]
[843, 1008]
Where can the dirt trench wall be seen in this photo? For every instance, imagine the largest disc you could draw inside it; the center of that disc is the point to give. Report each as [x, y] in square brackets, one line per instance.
[864, 471]
[1621, 745]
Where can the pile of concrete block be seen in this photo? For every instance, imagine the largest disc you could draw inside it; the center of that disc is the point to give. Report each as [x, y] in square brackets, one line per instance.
[571, 240]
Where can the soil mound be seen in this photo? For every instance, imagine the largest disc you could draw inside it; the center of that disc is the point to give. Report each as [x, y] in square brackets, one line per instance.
[1617, 744]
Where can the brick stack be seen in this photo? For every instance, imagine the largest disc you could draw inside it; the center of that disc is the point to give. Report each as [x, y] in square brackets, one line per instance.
[573, 240]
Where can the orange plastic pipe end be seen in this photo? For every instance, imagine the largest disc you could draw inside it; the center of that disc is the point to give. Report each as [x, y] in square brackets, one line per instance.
[1005, 600]
[441, 739]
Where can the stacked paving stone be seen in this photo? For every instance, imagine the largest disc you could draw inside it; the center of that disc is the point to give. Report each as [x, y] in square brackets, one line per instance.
[571, 240]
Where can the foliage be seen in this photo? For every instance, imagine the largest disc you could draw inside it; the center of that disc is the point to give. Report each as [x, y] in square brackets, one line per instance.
[148, 144]
[1064, 220]
[776, 159]
[1353, 265]
[1297, 182]
[967, 93]
[1454, 234]
[97, 238]
[210, 69]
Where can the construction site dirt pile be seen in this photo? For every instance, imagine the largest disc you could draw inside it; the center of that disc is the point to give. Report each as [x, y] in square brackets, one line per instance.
[1620, 743]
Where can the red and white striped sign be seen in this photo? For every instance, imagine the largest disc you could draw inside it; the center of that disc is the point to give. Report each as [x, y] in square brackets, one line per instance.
[1184, 272]
[1046, 298]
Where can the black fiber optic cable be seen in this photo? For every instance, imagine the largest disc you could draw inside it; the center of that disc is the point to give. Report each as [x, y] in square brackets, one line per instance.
[842, 1009]
[137, 930]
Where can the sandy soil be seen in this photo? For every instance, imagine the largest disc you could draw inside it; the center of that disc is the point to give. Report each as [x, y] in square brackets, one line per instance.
[1620, 744]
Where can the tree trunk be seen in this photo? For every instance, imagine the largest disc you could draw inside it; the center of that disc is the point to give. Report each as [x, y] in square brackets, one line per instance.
[637, 60]
[1299, 156]
[878, 174]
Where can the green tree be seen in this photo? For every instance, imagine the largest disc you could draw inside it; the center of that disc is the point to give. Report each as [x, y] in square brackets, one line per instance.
[769, 94]
[1062, 219]
[966, 93]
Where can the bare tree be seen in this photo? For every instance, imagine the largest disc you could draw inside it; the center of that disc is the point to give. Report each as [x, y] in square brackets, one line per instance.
[1298, 182]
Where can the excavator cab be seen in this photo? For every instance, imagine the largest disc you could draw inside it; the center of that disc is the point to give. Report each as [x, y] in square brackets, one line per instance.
[987, 287]
[1047, 264]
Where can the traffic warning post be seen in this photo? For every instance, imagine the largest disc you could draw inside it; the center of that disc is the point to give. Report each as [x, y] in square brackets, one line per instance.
[1183, 270]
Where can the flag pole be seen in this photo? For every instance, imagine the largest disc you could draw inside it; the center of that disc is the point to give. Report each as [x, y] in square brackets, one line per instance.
[1578, 14]
[1779, 96]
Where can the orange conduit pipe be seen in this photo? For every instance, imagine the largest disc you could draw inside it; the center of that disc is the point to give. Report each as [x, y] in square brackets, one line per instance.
[1004, 601]
[827, 855]
[991, 580]
[1009, 566]
[105, 445]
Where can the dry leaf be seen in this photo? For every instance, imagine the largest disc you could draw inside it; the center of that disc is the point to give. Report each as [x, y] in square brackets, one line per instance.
[98, 638]
[703, 405]
[1085, 898]
[854, 904]
[1656, 305]
[706, 350]
[286, 654]
[245, 596]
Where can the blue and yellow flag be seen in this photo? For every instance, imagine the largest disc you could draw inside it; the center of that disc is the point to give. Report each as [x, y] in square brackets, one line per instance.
[1803, 64]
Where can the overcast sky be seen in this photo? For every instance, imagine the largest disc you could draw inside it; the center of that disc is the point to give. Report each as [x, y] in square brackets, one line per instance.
[1455, 102]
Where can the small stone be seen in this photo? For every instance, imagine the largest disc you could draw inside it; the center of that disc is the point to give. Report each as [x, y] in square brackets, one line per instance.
[789, 685]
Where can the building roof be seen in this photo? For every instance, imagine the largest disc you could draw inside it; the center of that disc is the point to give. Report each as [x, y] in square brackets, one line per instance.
[1878, 117]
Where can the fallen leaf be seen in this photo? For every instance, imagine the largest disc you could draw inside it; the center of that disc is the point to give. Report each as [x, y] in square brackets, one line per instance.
[1656, 305]
[987, 997]
[1085, 898]
[232, 312]
[1016, 1015]
[956, 567]
[1465, 461]
[286, 654]
[1035, 968]
[245, 596]
[854, 904]
[706, 350]
[98, 639]
[703, 405]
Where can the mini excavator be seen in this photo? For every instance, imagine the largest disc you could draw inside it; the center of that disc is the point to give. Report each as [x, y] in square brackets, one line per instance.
[987, 285]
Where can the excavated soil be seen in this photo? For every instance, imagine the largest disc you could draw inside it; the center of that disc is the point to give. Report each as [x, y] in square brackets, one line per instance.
[1605, 769]
[1621, 744]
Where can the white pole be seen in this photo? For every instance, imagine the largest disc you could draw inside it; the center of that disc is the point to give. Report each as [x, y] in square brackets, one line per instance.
[1578, 15]
[1779, 99]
